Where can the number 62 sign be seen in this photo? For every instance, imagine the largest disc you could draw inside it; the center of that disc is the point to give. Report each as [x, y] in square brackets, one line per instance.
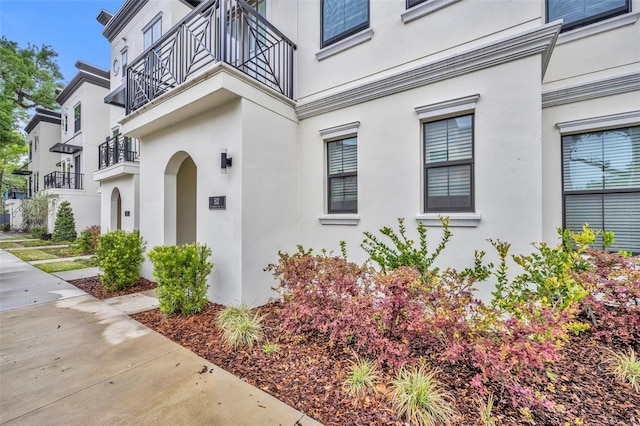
[218, 203]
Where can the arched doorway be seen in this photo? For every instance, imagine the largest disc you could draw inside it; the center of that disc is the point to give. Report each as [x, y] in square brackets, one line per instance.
[180, 216]
[116, 210]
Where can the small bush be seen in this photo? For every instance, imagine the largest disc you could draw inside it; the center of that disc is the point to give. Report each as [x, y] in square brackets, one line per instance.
[417, 395]
[181, 273]
[88, 240]
[5, 227]
[625, 368]
[37, 231]
[65, 226]
[363, 375]
[239, 326]
[119, 255]
[403, 252]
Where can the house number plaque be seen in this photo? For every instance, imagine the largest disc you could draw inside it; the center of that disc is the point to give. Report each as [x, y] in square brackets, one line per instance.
[218, 203]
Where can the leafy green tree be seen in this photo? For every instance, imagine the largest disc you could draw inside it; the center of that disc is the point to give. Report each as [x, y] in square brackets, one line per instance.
[65, 226]
[29, 77]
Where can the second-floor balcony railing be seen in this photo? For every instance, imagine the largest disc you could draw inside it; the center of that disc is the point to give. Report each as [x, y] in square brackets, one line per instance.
[229, 31]
[117, 149]
[63, 180]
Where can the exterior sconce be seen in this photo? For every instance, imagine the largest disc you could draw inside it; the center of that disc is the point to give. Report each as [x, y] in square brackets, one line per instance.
[224, 161]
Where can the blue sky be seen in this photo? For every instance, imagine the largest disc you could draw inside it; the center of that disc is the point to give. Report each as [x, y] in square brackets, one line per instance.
[69, 26]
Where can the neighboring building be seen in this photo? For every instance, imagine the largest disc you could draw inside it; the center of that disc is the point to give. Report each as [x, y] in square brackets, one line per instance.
[43, 132]
[274, 123]
[84, 118]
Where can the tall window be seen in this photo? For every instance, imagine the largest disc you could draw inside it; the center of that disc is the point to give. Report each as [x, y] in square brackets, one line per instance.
[124, 62]
[448, 164]
[152, 33]
[342, 165]
[342, 18]
[66, 122]
[601, 184]
[77, 115]
[576, 13]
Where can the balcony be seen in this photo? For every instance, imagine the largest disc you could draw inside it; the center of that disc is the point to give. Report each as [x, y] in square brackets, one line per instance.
[228, 31]
[117, 149]
[63, 180]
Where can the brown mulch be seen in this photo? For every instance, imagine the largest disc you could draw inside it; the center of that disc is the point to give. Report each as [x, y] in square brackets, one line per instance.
[93, 286]
[307, 373]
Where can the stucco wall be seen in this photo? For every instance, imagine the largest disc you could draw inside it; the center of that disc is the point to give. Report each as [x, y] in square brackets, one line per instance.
[507, 163]
[128, 186]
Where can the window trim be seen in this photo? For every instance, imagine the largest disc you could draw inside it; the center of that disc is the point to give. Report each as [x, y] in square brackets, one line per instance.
[448, 165]
[424, 8]
[345, 34]
[333, 134]
[77, 122]
[438, 111]
[591, 19]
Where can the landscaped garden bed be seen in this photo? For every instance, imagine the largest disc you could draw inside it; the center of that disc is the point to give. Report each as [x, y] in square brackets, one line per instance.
[94, 287]
[405, 341]
[307, 372]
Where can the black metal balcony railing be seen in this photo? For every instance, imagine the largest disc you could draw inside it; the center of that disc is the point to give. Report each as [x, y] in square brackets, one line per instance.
[117, 149]
[227, 31]
[63, 180]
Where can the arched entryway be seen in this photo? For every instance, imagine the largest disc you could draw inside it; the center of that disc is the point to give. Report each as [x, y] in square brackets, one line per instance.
[116, 210]
[180, 191]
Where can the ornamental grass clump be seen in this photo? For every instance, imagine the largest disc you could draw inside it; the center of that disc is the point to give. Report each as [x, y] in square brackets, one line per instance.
[363, 375]
[240, 327]
[625, 368]
[119, 255]
[181, 273]
[418, 396]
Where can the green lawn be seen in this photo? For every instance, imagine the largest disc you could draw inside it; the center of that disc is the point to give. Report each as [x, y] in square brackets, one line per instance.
[61, 251]
[42, 243]
[9, 244]
[65, 265]
[34, 254]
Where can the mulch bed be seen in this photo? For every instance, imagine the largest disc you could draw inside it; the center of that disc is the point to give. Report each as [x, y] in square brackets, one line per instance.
[93, 286]
[307, 373]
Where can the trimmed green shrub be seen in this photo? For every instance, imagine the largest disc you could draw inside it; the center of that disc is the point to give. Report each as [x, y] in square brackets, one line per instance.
[181, 273]
[65, 226]
[37, 231]
[88, 239]
[119, 256]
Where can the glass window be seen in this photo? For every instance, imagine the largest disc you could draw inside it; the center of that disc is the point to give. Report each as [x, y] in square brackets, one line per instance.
[152, 33]
[576, 13]
[411, 3]
[77, 118]
[601, 184]
[342, 18]
[124, 62]
[448, 163]
[66, 121]
[342, 165]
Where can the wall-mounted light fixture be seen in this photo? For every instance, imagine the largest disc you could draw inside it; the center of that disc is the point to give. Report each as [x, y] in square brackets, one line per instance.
[224, 161]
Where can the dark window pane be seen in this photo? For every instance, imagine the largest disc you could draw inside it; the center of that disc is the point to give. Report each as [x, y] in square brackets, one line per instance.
[411, 3]
[582, 12]
[449, 188]
[342, 168]
[343, 17]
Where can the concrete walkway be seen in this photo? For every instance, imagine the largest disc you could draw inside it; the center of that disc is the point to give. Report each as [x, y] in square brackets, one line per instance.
[68, 358]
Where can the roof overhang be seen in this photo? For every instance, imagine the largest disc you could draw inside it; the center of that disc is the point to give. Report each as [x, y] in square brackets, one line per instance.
[21, 172]
[65, 148]
[116, 96]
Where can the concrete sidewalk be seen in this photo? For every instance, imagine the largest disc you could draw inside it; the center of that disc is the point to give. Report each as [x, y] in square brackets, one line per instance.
[69, 358]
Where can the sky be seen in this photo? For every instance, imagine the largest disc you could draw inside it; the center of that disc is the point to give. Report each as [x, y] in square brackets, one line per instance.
[68, 26]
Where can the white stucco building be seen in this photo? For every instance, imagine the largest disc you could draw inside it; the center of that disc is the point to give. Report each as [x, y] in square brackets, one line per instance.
[82, 122]
[260, 126]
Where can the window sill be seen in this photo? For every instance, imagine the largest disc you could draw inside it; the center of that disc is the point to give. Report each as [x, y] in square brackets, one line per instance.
[339, 219]
[598, 27]
[467, 220]
[423, 9]
[345, 44]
